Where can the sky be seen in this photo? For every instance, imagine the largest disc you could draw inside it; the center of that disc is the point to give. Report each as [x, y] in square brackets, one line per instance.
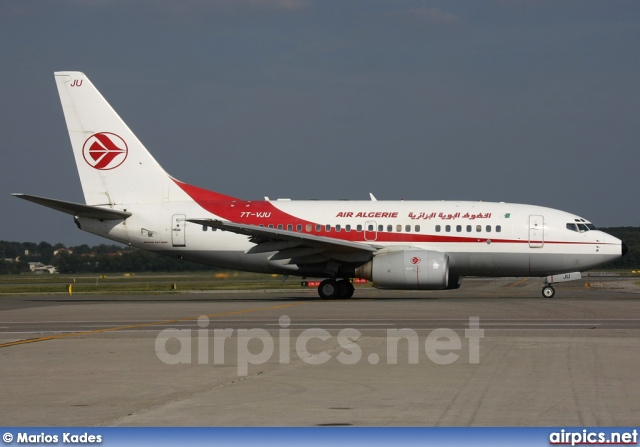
[525, 101]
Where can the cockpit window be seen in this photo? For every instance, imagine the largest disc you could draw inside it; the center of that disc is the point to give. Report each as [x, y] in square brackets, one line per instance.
[572, 227]
[581, 227]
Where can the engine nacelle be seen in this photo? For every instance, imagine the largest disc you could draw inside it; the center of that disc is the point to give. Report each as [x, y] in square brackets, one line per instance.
[407, 269]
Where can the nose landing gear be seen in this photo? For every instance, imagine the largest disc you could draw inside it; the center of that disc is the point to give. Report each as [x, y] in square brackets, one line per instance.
[547, 288]
[548, 291]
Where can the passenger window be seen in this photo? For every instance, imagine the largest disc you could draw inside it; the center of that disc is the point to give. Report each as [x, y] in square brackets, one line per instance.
[389, 228]
[359, 228]
[498, 228]
[417, 228]
[398, 228]
[437, 228]
[298, 227]
[407, 228]
[478, 228]
[447, 228]
[468, 228]
[309, 228]
[347, 228]
[380, 227]
[327, 228]
[488, 228]
[370, 227]
[279, 226]
[270, 225]
[338, 227]
[318, 228]
[290, 227]
[458, 228]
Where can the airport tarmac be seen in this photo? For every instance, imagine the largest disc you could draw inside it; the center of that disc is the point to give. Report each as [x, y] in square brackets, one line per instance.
[493, 353]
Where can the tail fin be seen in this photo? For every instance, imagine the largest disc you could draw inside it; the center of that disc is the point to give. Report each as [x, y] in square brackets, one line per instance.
[114, 166]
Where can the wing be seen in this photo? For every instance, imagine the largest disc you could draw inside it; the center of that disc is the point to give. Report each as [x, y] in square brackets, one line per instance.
[76, 209]
[300, 248]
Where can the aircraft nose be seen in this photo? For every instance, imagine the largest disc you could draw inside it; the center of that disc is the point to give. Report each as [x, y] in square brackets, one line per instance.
[625, 249]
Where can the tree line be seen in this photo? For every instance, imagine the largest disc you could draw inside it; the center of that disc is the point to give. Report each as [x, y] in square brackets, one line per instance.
[103, 258]
[631, 237]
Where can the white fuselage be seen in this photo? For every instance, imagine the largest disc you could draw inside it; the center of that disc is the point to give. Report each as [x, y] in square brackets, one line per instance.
[481, 238]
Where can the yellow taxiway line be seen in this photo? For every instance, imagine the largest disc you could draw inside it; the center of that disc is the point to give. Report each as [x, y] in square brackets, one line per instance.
[134, 326]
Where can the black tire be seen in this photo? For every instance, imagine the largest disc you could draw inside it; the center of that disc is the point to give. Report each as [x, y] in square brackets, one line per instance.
[328, 289]
[345, 289]
[548, 292]
[454, 282]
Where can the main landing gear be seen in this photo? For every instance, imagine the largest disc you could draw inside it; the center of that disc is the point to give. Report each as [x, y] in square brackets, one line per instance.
[335, 289]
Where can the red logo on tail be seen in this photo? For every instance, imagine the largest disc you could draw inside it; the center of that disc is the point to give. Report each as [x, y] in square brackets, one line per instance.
[104, 151]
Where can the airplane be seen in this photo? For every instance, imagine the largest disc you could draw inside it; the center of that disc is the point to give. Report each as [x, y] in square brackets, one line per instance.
[410, 245]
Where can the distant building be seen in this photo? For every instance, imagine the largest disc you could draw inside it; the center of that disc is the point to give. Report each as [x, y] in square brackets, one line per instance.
[62, 250]
[39, 267]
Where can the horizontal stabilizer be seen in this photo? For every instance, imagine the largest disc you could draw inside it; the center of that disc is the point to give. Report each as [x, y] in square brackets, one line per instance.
[77, 209]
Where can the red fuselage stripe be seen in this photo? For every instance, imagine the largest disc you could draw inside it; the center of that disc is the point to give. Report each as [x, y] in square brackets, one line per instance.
[265, 213]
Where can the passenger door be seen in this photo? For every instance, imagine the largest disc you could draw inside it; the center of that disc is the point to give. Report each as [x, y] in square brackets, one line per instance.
[178, 222]
[536, 231]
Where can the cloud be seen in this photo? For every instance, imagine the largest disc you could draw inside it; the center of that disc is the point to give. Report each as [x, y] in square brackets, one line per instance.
[160, 9]
[235, 8]
[12, 9]
[273, 4]
[427, 17]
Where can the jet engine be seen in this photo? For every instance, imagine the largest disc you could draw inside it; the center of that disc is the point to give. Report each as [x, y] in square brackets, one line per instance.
[407, 269]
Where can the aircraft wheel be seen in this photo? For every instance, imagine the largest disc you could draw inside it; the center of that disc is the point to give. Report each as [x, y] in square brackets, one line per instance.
[345, 289]
[328, 289]
[548, 291]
